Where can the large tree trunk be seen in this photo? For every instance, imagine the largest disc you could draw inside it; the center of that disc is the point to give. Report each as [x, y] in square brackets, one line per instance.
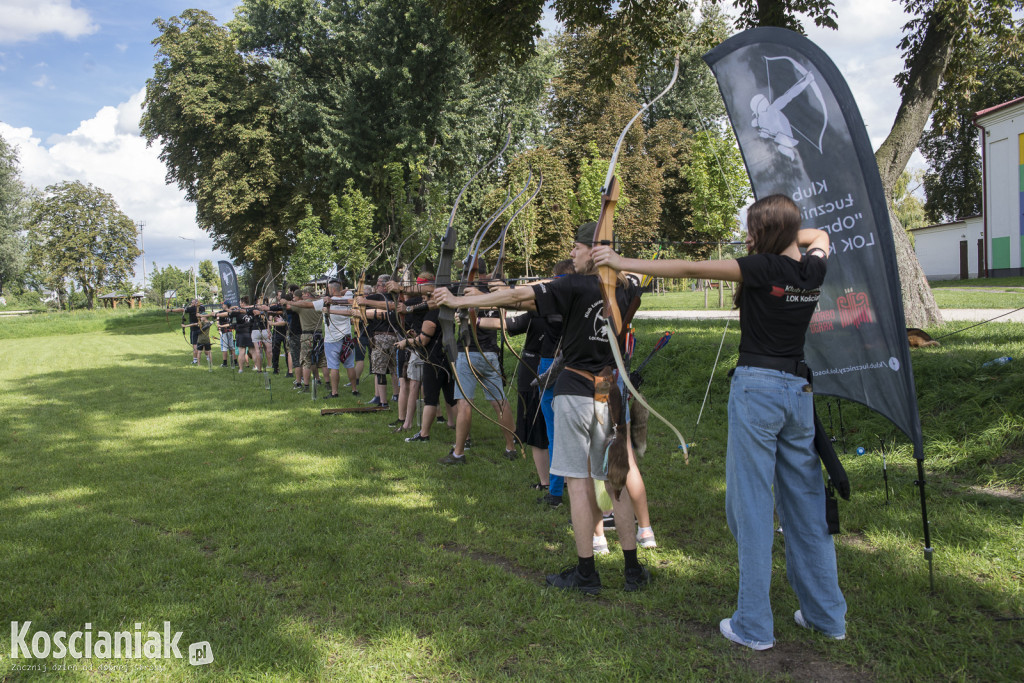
[919, 93]
[919, 307]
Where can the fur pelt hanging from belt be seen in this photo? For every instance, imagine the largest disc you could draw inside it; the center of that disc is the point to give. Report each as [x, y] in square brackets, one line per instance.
[618, 456]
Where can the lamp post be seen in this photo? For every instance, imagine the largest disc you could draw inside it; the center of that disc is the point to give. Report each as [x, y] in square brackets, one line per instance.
[195, 266]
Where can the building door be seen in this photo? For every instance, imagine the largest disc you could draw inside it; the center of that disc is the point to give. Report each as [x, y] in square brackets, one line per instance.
[964, 274]
[981, 258]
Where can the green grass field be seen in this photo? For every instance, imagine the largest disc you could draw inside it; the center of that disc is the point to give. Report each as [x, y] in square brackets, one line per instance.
[139, 489]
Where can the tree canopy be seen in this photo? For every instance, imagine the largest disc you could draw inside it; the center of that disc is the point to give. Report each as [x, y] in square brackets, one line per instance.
[79, 234]
[14, 205]
[276, 122]
[950, 145]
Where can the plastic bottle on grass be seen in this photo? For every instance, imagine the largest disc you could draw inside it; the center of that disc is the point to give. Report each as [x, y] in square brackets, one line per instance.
[1002, 360]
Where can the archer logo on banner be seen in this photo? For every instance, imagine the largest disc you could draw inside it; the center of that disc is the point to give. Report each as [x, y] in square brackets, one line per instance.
[787, 108]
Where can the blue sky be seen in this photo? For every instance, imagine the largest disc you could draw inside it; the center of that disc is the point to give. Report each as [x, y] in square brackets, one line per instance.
[72, 73]
[62, 61]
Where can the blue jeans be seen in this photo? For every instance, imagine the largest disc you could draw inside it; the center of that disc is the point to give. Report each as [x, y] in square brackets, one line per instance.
[771, 434]
[547, 408]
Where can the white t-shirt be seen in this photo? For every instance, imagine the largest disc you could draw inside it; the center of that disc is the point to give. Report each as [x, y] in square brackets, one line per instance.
[336, 327]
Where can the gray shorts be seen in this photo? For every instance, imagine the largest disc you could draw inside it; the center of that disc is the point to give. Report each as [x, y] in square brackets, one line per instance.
[485, 369]
[579, 437]
[414, 368]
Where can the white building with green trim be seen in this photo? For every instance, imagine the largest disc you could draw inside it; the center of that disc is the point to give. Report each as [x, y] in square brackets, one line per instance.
[990, 245]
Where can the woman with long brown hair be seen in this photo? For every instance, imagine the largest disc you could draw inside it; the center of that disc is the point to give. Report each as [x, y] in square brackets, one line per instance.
[770, 457]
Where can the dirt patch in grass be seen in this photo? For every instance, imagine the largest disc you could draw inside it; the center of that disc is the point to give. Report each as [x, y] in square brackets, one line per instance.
[493, 560]
[1011, 456]
[786, 661]
[1008, 492]
[791, 661]
[857, 541]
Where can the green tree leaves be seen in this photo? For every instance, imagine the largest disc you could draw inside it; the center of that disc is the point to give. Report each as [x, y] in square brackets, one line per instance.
[79, 233]
[14, 206]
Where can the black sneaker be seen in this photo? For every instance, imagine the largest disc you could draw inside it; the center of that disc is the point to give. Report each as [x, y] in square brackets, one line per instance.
[275, 371]
[609, 522]
[331, 396]
[637, 578]
[512, 454]
[441, 419]
[551, 501]
[373, 401]
[355, 392]
[417, 437]
[469, 443]
[384, 406]
[571, 579]
[289, 374]
[452, 459]
[394, 398]
[224, 364]
[397, 423]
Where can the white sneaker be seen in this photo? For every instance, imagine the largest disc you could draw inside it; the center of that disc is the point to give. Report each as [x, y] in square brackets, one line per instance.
[645, 538]
[725, 626]
[600, 545]
[798, 617]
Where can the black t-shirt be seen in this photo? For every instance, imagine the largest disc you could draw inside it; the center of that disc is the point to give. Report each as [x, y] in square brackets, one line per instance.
[585, 346]
[534, 326]
[435, 349]
[294, 323]
[243, 320]
[777, 301]
[488, 339]
[414, 319]
[259, 318]
[383, 320]
[552, 339]
[193, 314]
[224, 322]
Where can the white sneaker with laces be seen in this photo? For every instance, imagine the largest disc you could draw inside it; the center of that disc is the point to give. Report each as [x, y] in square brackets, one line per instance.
[798, 617]
[600, 545]
[725, 626]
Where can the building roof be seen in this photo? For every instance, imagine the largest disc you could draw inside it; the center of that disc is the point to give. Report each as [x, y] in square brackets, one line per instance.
[943, 225]
[992, 110]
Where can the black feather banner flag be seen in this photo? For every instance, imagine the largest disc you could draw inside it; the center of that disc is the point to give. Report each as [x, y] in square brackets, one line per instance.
[228, 282]
[801, 135]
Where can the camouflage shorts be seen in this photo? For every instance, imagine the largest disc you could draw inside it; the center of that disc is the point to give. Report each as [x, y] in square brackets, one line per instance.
[308, 351]
[382, 359]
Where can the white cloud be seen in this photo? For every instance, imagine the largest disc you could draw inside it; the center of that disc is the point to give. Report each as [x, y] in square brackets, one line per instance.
[866, 51]
[26, 20]
[107, 152]
[42, 81]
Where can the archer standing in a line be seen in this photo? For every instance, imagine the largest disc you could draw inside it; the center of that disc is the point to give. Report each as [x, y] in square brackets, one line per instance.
[195, 312]
[227, 336]
[583, 420]
[771, 421]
